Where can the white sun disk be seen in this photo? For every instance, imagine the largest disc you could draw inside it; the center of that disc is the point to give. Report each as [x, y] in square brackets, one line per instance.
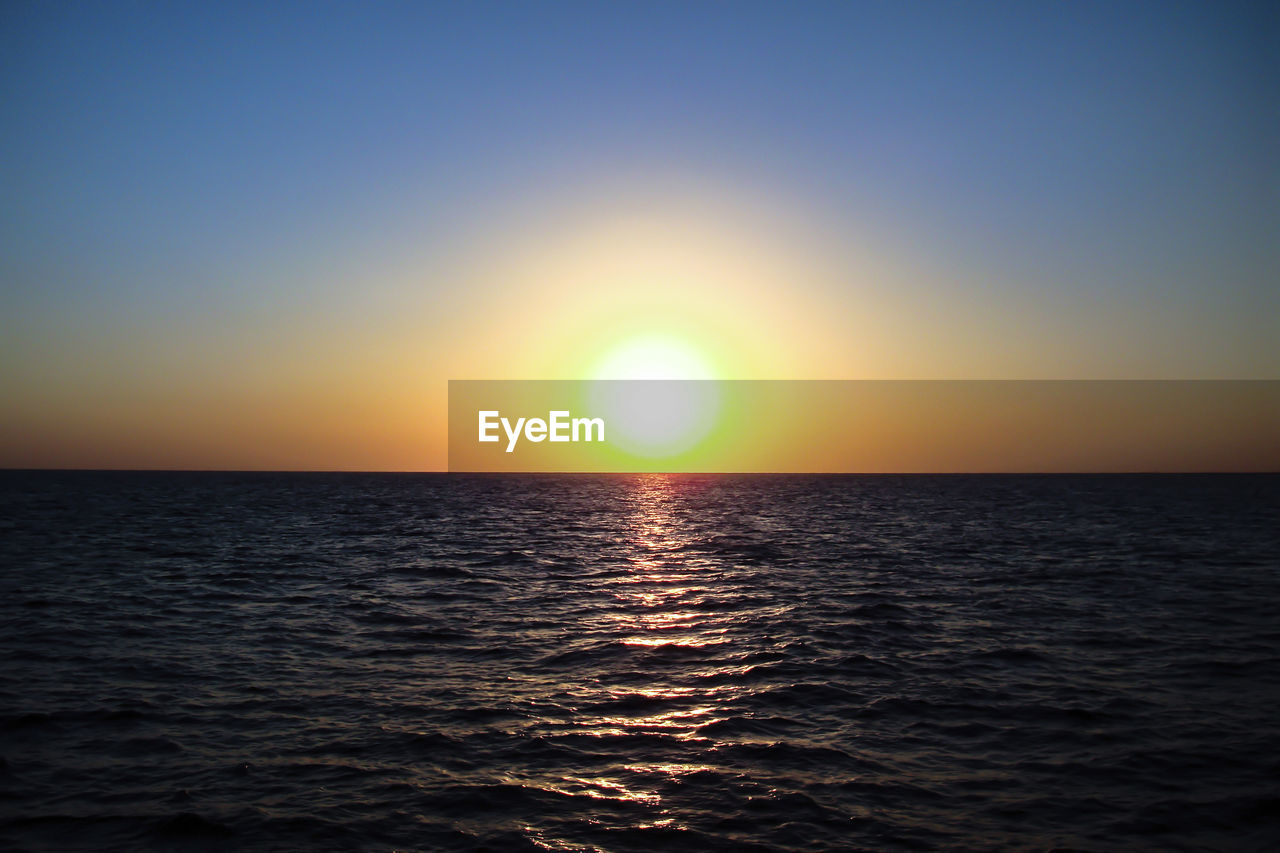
[671, 410]
[653, 357]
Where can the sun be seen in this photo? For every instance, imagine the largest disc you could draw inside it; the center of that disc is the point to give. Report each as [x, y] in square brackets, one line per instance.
[653, 356]
[673, 406]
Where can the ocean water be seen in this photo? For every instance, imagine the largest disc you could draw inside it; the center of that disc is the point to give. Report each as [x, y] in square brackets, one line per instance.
[636, 663]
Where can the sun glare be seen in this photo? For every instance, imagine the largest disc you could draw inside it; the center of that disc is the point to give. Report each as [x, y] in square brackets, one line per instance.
[654, 356]
[668, 412]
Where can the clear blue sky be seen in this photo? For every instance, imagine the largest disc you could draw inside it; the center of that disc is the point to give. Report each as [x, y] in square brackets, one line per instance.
[170, 165]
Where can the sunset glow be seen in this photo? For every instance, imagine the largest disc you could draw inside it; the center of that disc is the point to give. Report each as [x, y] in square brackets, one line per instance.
[641, 425]
[298, 293]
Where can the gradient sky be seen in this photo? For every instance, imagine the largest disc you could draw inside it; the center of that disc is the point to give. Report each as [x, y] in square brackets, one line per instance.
[266, 235]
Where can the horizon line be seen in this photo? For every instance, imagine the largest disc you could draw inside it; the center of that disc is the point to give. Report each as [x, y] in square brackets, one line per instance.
[70, 470]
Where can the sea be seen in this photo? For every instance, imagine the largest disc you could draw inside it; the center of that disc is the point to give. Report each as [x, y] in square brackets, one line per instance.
[380, 662]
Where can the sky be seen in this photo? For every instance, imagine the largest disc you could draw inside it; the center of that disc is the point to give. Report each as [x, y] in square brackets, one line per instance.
[265, 236]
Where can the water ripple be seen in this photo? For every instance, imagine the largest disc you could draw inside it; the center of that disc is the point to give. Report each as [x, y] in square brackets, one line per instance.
[629, 663]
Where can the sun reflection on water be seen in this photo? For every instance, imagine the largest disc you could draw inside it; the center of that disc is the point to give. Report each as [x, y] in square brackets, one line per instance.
[665, 583]
[663, 606]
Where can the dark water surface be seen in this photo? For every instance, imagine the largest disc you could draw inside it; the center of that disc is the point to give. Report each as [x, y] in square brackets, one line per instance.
[635, 663]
